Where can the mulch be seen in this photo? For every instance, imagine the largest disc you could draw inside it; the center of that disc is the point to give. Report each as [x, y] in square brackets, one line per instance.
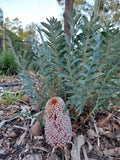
[22, 136]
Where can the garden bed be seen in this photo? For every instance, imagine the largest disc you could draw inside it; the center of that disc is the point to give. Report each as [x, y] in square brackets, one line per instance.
[97, 139]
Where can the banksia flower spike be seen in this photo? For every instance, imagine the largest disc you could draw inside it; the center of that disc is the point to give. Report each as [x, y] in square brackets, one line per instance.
[58, 129]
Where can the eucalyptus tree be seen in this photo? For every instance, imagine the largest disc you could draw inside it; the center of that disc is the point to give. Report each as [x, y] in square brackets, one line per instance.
[109, 11]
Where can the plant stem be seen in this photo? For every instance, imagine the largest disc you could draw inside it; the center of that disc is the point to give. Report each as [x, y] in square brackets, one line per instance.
[99, 94]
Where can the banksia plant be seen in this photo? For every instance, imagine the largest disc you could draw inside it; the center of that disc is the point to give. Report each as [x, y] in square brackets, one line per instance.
[58, 129]
[83, 70]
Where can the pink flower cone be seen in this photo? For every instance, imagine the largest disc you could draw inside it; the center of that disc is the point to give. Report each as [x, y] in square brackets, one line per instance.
[58, 129]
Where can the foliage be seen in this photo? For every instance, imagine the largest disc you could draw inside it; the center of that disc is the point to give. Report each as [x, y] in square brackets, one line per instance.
[110, 10]
[21, 50]
[16, 31]
[76, 2]
[8, 64]
[107, 10]
[18, 41]
[19, 44]
[83, 70]
[1, 17]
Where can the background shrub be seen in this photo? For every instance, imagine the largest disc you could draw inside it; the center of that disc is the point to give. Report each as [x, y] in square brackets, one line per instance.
[8, 64]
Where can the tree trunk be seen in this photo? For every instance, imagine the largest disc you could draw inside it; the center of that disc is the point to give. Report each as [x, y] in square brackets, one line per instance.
[68, 9]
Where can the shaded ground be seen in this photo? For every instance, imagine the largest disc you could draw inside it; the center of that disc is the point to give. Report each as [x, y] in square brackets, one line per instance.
[97, 139]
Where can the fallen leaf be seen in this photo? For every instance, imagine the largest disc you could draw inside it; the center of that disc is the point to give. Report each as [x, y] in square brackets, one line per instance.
[21, 140]
[115, 126]
[85, 153]
[108, 134]
[27, 107]
[13, 107]
[90, 147]
[33, 157]
[91, 133]
[112, 152]
[37, 129]
[76, 148]
[12, 134]
[105, 121]
[2, 151]
[34, 110]
[2, 123]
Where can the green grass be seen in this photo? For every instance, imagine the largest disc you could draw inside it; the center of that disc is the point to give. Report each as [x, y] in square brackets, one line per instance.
[11, 98]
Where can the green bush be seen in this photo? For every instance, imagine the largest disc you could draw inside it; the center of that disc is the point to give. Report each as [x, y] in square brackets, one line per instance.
[8, 64]
[83, 70]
